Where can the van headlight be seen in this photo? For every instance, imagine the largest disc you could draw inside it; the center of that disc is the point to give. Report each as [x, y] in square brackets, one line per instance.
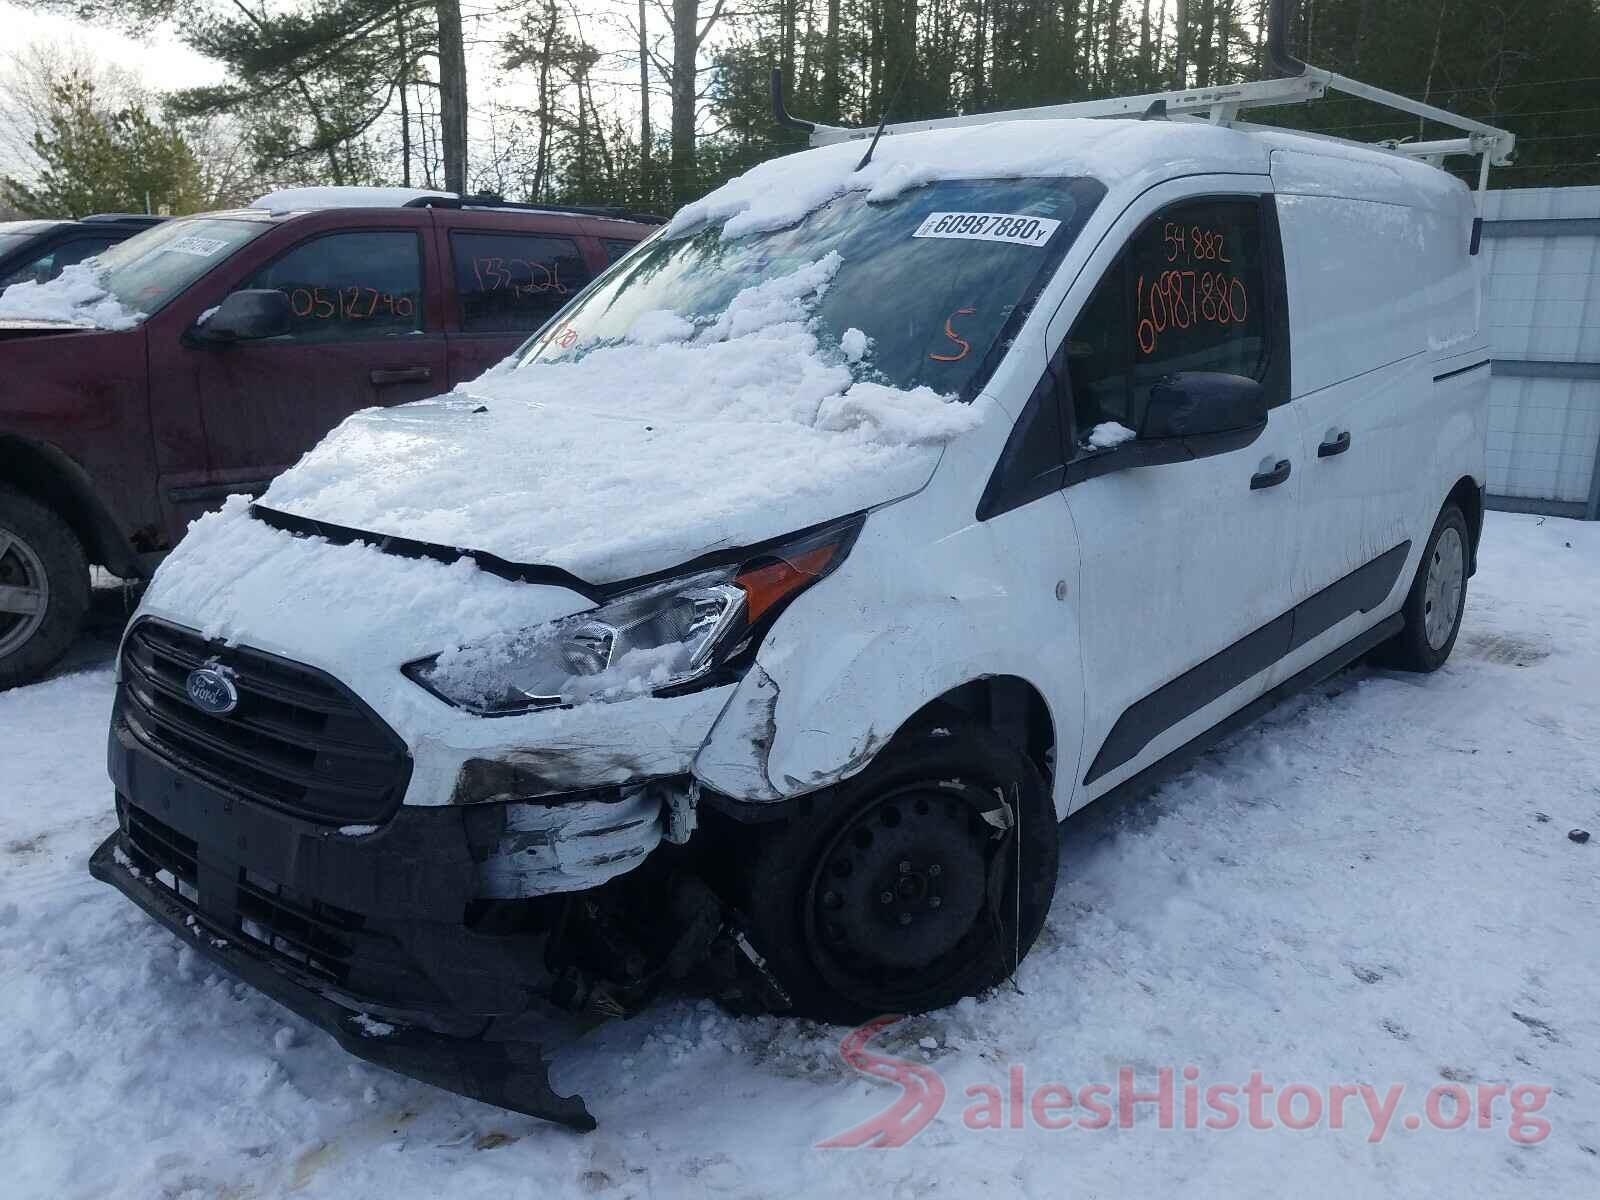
[662, 638]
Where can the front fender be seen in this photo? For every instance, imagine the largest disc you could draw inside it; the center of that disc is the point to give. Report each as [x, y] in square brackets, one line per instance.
[858, 655]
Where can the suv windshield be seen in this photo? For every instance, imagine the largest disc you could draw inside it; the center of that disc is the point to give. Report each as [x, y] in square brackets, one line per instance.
[938, 278]
[152, 267]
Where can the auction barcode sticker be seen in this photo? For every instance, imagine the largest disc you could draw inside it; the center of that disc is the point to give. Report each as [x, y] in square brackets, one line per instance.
[200, 247]
[1016, 228]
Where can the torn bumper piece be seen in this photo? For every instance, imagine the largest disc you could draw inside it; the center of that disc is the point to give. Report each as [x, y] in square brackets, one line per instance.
[512, 1074]
[389, 936]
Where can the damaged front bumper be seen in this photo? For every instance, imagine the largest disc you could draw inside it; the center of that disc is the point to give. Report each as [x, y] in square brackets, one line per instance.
[421, 944]
[499, 1065]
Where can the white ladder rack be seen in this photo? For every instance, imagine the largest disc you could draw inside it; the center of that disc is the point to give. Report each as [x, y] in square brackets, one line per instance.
[1298, 83]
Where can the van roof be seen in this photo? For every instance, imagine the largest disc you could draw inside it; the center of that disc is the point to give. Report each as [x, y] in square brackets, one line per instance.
[1135, 153]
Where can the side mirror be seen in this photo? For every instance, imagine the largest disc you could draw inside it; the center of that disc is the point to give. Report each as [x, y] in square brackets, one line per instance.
[245, 316]
[1190, 414]
[1203, 404]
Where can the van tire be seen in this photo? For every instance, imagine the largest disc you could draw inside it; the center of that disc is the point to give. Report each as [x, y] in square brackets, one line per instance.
[40, 554]
[1431, 626]
[925, 795]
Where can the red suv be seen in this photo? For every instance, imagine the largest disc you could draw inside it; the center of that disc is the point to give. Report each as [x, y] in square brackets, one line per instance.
[205, 355]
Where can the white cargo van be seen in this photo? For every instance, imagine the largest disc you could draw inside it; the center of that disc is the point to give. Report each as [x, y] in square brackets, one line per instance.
[752, 628]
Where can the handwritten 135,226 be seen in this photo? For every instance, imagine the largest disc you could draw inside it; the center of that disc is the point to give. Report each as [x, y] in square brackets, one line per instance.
[1187, 294]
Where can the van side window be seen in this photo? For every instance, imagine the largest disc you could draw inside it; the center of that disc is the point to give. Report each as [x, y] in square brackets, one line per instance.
[346, 286]
[1185, 294]
[513, 282]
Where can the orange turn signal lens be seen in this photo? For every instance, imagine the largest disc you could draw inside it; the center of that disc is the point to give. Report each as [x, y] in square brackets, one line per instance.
[767, 585]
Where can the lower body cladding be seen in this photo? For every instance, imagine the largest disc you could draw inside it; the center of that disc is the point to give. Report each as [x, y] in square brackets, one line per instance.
[456, 944]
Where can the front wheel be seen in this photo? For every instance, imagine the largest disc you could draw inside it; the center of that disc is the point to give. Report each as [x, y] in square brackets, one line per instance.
[1438, 594]
[44, 588]
[924, 879]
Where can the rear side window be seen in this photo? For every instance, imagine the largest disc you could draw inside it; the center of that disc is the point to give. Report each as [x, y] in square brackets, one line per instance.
[1186, 294]
[616, 248]
[350, 286]
[513, 283]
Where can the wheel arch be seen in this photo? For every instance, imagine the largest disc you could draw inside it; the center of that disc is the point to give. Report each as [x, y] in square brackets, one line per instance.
[50, 476]
[1467, 495]
[1010, 706]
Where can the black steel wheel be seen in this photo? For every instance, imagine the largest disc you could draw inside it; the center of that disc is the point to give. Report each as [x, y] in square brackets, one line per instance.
[923, 880]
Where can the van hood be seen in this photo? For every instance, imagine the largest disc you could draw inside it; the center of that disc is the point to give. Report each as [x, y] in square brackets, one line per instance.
[633, 459]
[601, 495]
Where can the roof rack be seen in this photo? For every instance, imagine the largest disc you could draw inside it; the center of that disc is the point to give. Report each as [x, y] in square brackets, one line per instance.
[1297, 83]
[126, 218]
[489, 200]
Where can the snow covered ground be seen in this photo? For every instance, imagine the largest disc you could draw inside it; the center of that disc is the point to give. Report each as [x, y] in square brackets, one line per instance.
[1375, 885]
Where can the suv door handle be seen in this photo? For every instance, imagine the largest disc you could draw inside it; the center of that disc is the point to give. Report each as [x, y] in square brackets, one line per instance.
[383, 375]
[1272, 478]
[1334, 445]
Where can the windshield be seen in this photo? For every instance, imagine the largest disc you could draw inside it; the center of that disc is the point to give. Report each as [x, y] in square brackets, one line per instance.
[936, 279]
[152, 267]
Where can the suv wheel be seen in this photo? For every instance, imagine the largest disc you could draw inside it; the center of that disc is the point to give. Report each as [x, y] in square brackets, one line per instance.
[922, 880]
[44, 588]
[1433, 607]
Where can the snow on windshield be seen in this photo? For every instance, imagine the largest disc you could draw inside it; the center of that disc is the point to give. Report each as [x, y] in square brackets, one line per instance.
[78, 296]
[936, 280]
[641, 454]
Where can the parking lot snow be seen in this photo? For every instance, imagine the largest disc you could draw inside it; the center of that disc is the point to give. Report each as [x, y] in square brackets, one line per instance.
[1374, 885]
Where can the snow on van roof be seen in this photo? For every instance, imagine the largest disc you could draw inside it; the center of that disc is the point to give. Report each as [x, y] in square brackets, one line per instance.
[781, 191]
[288, 200]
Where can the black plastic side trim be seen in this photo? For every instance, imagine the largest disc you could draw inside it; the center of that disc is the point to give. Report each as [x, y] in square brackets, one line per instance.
[1163, 769]
[1460, 371]
[1145, 720]
[216, 491]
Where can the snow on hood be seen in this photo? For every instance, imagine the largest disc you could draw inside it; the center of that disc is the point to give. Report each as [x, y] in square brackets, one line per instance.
[77, 296]
[638, 456]
[780, 192]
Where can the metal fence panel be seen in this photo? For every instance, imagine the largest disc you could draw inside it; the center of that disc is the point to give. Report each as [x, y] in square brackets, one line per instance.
[1541, 262]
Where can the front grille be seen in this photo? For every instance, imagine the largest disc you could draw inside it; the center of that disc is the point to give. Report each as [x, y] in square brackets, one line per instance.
[322, 943]
[299, 740]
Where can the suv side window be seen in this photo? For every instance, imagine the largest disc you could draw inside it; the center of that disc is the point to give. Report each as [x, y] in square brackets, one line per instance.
[47, 266]
[1186, 294]
[617, 247]
[349, 286]
[512, 282]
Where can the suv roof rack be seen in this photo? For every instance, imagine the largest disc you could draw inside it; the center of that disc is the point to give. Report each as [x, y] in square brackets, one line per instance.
[1296, 83]
[125, 218]
[489, 200]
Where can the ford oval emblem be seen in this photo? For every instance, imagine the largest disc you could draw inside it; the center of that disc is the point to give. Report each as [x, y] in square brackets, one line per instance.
[211, 689]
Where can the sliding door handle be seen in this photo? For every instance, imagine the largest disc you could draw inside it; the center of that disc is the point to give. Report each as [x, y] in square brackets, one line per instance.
[383, 375]
[1334, 445]
[1272, 478]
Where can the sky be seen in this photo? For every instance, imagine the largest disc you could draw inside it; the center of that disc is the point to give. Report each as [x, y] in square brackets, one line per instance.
[163, 63]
